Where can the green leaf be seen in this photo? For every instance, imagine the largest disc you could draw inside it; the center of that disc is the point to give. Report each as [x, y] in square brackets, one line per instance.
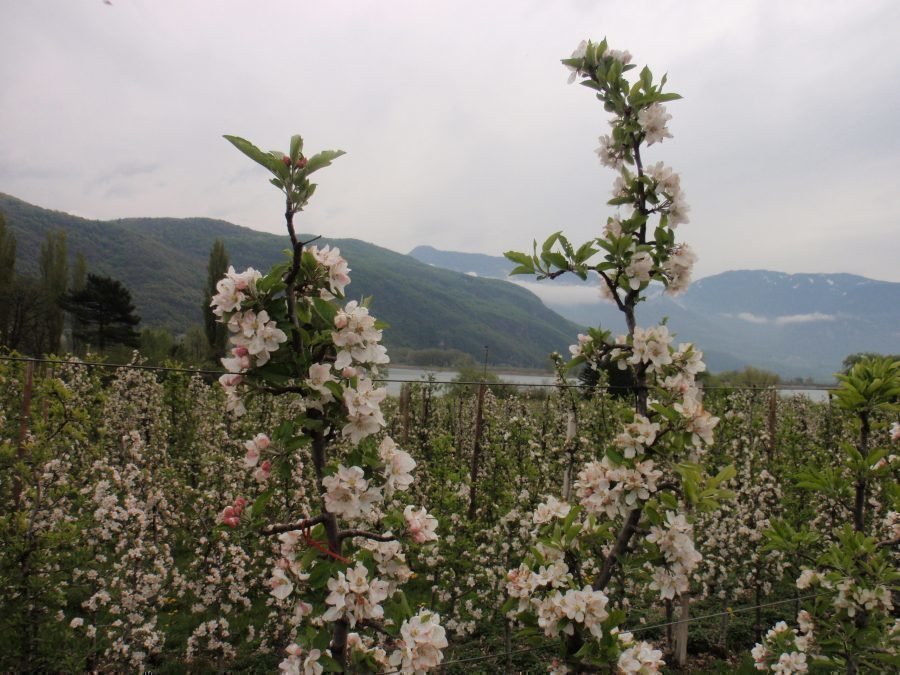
[322, 159]
[254, 153]
[558, 260]
[548, 243]
[725, 474]
[336, 389]
[259, 504]
[518, 258]
[329, 664]
[325, 310]
[662, 98]
[524, 262]
[646, 78]
[691, 493]
[615, 456]
[296, 147]
[584, 253]
[320, 575]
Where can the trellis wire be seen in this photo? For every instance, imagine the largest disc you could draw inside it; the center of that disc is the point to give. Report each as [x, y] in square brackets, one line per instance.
[740, 610]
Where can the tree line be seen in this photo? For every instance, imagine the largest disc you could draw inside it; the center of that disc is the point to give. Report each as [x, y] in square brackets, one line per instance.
[66, 308]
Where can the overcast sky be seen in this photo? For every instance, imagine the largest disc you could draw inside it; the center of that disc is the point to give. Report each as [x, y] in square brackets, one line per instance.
[460, 129]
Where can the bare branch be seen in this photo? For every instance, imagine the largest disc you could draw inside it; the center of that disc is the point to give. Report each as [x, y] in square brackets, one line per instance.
[377, 626]
[365, 534]
[278, 528]
[612, 289]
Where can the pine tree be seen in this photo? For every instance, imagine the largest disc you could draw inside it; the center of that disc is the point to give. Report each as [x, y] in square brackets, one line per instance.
[79, 274]
[54, 267]
[7, 276]
[7, 254]
[102, 313]
[79, 280]
[216, 333]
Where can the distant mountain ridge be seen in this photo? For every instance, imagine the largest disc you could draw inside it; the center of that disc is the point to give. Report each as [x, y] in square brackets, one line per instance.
[163, 262]
[794, 324]
[468, 263]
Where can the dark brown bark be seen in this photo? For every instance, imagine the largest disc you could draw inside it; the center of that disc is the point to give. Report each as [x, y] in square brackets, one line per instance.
[476, 453]
[859, 502]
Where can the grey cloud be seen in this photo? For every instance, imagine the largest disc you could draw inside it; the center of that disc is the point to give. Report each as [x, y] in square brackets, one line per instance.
[127, 170]
[460, 130]
[803, 318]
[752, 318]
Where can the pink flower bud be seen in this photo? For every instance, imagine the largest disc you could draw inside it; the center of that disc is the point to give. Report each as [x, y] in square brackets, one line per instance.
[263, 472]
[240, 351]
[240, 503]
[349, 372]
[231, 516]
[262, 441]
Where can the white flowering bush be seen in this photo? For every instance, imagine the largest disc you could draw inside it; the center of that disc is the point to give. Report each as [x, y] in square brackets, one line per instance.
[849, 573]
[628, 505]
[341, 564]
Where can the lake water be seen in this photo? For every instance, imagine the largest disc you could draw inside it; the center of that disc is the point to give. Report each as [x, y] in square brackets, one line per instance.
[397, 375]
[817, 395]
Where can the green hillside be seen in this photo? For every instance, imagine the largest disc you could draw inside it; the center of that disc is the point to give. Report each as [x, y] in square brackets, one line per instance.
[163, 263]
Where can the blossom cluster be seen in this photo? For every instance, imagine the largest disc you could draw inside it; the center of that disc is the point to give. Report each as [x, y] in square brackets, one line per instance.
[667, 185]
[255, 335]
[255, 447]
[233, 290]
[422, 639]
[348, 493]
[850, 596]
[622, 56]
[605, 488]
[363, 403]
[784, 650]
[356, 337]
[676, 543]
[421, 525]
[398, 466]
[558, 606]
[231, 516]
[638, 658]
[336, 270]
[298, 664]
[354, 597]
[653, 121]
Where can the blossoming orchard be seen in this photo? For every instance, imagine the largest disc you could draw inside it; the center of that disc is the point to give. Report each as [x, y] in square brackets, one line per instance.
[292, 516]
